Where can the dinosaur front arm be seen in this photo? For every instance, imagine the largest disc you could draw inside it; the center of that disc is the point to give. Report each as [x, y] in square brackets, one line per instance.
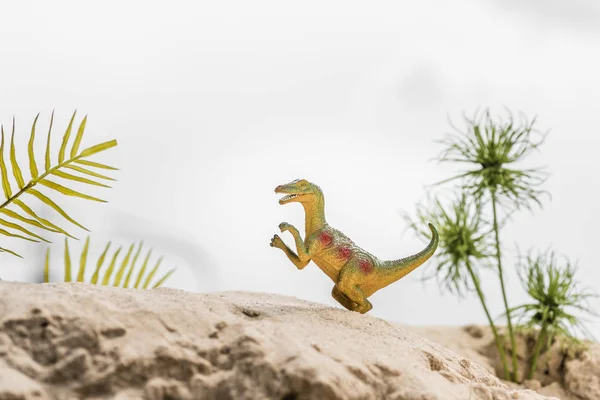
[304, 255]
[277, 242]
[303, 252]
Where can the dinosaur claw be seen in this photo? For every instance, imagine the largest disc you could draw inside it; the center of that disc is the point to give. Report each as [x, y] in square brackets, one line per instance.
[276, 241]
[284, 226]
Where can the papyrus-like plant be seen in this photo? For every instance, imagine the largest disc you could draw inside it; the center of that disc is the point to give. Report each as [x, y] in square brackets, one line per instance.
[56, 174]
[465, 246]
[121, 271]
[490, 150]
[557, 299]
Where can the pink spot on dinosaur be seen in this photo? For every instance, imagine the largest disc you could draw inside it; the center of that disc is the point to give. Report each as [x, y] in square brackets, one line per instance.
[325, 238]
[365, 266]
[345, 252]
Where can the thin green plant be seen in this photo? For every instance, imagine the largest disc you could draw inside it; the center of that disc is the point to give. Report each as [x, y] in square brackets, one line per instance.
[120, 271]
[464, 245]
[557, 297]
[490, 148]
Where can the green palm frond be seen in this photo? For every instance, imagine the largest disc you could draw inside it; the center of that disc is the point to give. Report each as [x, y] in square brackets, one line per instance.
[143, 280]
[70, 157]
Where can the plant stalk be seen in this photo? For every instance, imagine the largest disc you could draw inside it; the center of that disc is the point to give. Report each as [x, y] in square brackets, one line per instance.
[499, 345]
[538, 348]
[501, 275]
[35, 181]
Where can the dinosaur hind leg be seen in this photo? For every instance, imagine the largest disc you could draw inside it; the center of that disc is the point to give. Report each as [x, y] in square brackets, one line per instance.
[343, 300]
[348, 285]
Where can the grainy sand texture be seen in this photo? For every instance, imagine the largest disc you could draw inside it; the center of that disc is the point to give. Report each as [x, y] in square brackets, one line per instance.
[76, 341]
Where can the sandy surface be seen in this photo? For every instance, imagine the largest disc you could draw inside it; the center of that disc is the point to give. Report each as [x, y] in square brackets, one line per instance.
[71, 341]
[566, 376]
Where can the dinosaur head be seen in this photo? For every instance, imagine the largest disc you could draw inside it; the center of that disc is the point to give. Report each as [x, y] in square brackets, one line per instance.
[299, 191]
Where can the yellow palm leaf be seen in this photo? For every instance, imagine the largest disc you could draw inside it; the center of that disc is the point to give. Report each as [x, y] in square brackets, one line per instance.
[132, 266]
[111, 267]
[3, 250]
[67, 262]
[151, 274]
[82, 261]
[63, 146]
[69, 192]
[55, 206]
[99, 264]
[88, 172]
[73, 159]
[32, 165]
[30, 221]
[3, 170]
[125, 265]
[121, 270]
[163, 279]
[47, 267]
[11, 234]
[76, 178]
[95, 164]
[78, 138]
[98, 148]
[19, 228]
[48, 159]
[45, 222]
[13, 160]
[142, 270]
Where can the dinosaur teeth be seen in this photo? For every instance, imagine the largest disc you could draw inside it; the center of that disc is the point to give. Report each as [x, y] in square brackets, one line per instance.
[289, 197]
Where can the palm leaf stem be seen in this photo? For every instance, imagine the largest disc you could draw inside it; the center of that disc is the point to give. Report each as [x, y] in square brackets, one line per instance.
[35, 181]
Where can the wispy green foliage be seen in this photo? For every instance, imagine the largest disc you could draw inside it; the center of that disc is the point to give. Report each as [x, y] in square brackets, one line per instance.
[557, 298]
[21, 216]
[464, 246]
[143, 280]
[464, 241]
[490, 148]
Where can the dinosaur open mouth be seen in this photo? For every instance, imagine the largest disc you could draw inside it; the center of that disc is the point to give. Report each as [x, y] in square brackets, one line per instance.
[288, 197]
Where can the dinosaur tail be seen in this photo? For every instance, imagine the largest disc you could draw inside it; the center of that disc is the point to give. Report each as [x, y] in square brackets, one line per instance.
[397, 269]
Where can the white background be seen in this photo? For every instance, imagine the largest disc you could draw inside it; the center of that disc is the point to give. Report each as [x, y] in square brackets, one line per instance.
[214, 103]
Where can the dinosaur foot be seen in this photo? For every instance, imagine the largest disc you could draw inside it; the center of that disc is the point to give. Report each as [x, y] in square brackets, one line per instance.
[363, 308]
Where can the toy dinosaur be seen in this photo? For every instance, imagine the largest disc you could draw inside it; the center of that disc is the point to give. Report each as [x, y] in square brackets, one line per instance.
[356, 273]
